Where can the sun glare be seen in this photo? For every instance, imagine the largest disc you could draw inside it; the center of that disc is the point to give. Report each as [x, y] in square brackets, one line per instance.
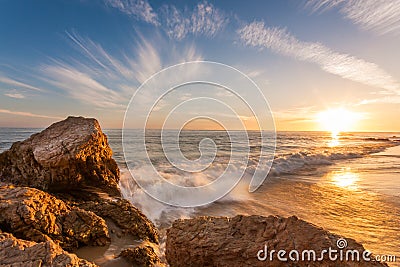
[344, 178]
[338, 120]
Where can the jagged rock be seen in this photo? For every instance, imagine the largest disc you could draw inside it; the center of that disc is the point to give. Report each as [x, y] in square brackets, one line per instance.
[20, 253]
[120, 211]
[210, 241]
[125, 216]
[69, 154]
[72, 160]
[34, 215]
[143, 256]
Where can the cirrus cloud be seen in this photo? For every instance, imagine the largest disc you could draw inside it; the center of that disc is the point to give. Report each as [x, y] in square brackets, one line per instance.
[140, 9]
[15, 83]
[107, 80]
[28, 114]
[379, 16]
[205, 19]
[15, 95]
[346, 66]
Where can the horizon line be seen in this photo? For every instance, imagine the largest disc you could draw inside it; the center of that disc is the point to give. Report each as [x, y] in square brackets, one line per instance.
[215, 130]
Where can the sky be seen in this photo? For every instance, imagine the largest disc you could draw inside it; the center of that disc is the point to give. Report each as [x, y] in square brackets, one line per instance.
[307, 57]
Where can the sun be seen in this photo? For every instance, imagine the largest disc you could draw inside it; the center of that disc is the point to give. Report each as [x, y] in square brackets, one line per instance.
[338, 120]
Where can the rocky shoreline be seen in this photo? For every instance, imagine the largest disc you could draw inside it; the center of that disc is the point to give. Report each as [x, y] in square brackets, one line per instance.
[59, 192]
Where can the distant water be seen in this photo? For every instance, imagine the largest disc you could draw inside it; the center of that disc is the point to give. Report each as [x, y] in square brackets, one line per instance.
[349, 184]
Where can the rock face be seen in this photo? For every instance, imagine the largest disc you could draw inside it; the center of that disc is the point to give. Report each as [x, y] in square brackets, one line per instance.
[121, 212]
[125, 216]
[208, 241]
[144, 256]
[20, 253]
[69, 154]
[34, 215]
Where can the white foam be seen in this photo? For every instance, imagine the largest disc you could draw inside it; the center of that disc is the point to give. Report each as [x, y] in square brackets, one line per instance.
[160, 213]
[288, 163]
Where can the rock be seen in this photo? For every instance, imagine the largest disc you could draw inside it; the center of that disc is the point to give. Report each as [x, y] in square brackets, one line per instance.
[143, 256]
[20, 253]
[34, 215]
[210, 241]
[69, 154]
[121, 212]
[71, 161]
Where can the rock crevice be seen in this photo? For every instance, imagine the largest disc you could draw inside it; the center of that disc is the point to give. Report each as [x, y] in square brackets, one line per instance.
[34, 215]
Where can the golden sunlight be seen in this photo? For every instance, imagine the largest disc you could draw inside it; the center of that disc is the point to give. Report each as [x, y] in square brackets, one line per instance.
[338, 120]
[344, 178]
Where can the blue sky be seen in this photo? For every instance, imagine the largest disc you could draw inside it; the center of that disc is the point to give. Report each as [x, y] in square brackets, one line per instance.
[60, 58]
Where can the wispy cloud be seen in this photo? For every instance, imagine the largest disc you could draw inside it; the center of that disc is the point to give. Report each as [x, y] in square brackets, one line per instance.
[205, 19]
[282, 42]
[102, 80]
[81, 86]
[177, 25]
[15, 95]
[107, 80]
[380, 16]
[98, 63]
[28, 114]
[143, 60]
[393, 99]
[296, 115]
[15, 83]
[140, 9]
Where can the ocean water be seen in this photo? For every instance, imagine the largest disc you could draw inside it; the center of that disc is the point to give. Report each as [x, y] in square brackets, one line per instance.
[348, 184]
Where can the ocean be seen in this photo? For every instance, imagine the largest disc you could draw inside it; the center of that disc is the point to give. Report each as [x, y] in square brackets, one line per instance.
[348, 184]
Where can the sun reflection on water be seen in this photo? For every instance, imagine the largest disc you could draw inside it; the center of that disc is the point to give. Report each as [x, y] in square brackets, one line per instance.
[344, 178]
[334, 141]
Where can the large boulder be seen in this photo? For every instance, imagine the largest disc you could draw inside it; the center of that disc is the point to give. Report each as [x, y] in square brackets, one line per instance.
[34, 215]
[21, 253]
[238, 241]
[69, 154]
